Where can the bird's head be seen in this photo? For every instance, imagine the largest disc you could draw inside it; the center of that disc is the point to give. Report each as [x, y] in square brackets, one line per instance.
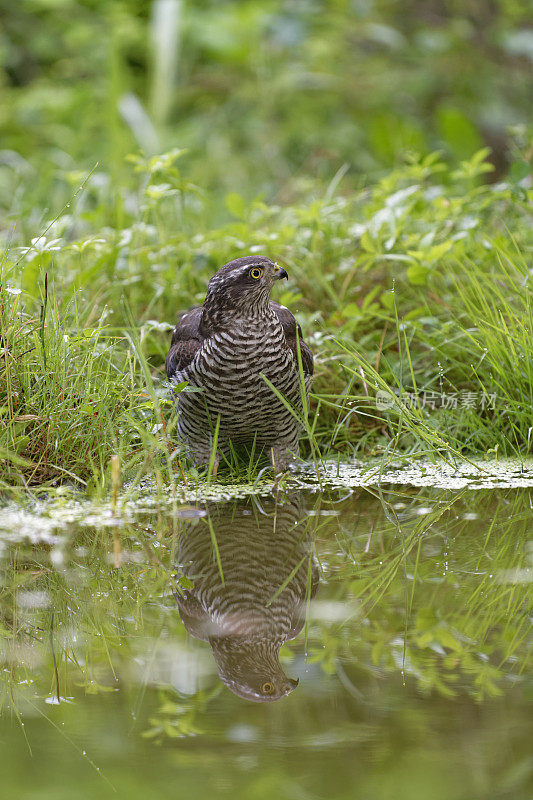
[242, 286]
[251, 670]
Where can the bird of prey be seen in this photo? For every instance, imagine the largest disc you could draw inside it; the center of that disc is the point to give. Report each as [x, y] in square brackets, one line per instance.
[225, 349]
[248, 599]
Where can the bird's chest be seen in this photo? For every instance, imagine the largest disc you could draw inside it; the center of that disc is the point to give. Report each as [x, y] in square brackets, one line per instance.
[230, 370]
[240, 359]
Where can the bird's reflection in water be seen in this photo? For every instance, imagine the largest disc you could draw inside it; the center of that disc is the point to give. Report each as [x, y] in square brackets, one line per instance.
[251, 598]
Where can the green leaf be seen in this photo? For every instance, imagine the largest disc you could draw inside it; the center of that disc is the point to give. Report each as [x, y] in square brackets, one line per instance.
[367, 243]
[351, 310]
[439, 250]
[387, 300]
[519, 170]
[458, 132]
[417, 274]
[236, 205]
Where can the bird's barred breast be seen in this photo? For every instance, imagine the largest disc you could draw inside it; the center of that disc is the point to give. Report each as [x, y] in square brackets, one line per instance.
[229, 370]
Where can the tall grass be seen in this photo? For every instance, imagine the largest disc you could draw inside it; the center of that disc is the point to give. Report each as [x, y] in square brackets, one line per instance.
[412, 285]
[65, 394]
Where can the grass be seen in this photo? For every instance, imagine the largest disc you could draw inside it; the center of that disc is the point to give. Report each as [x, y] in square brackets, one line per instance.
[62, 404]
[414, 284]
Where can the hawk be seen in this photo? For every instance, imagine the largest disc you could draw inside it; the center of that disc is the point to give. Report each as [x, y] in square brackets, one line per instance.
[250, 595]
[224, 350]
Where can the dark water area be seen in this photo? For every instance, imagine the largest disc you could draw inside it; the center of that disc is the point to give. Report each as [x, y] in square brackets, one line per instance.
[368, 643]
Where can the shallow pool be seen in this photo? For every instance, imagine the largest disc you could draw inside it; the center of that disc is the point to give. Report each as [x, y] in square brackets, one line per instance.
[345, 643]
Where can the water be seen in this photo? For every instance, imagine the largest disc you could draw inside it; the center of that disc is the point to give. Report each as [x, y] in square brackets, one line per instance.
[402, 616]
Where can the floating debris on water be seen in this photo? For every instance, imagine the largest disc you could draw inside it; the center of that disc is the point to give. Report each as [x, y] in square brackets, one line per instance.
[47, 518]
[477, 474]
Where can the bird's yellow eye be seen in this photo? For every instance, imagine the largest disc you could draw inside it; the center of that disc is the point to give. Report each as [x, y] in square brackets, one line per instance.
[267, 688]
[256, 273]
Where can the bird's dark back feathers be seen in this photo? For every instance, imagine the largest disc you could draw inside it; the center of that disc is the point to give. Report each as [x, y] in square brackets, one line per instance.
[186, 341]
[290, 327]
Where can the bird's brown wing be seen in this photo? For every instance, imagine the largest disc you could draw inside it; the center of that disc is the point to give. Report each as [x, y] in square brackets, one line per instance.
[290, 326]
[193, 616]
[186, 341]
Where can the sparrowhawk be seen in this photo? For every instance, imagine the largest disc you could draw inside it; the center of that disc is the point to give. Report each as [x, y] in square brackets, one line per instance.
[225, 349]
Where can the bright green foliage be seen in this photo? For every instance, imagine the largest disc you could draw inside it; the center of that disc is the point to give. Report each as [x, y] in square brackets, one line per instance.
[419, 282]
[263, 94]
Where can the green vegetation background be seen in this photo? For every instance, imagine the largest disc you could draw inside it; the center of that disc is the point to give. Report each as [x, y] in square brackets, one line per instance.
[305, 130]
[382, 151]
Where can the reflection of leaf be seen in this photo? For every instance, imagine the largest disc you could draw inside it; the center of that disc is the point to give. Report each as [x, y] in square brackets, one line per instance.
[447, 639]
[426, 618]
[376, 652]
[425, 639]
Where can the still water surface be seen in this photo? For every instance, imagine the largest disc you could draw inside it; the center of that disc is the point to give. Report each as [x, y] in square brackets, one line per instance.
[363, 644]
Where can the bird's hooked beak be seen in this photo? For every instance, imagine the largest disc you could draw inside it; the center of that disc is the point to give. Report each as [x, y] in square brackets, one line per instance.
[279, 273]
[290, 685]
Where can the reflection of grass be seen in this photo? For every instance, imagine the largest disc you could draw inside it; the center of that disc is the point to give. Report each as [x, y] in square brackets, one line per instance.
[98, 611]
[437, 595]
